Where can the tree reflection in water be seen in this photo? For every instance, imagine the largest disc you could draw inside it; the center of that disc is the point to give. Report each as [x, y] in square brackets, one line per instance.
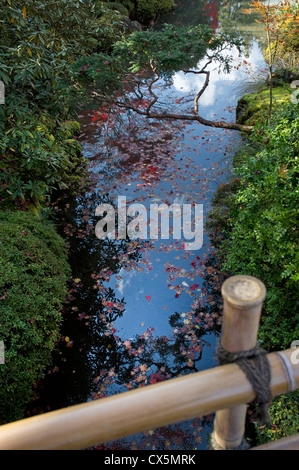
[144, 161]
[92, 360]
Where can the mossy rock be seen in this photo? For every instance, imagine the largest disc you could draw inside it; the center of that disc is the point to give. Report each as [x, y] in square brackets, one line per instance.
[217, 223]
[130, 26]
[254, 107]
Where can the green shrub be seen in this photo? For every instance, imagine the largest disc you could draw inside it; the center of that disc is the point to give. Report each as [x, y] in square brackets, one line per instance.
[284, 413]
[263, 238]
[154, 7]
[253, 227]
[118, 7]
[33, 276]
[113, 24]
[38, 42]
[128, 4]
[140, 9]
[39, 157]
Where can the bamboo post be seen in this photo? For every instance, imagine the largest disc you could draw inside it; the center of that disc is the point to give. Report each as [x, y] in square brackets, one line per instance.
[243, 297]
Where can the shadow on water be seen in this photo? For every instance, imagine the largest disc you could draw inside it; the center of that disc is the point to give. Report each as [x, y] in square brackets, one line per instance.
[143, 311]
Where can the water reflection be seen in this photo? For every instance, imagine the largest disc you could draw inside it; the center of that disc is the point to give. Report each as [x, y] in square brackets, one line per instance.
[194, 12]
[137, 313]
[144, 311]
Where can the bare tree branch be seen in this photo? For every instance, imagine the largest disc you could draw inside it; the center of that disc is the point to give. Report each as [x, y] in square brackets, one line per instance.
[201, 92]
[175, 116]
[187, 117]
[150, 88]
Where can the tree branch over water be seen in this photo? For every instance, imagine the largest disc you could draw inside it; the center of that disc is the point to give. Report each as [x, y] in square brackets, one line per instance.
[147, 58]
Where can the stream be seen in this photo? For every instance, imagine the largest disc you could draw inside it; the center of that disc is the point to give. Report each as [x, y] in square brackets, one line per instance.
[145, 310]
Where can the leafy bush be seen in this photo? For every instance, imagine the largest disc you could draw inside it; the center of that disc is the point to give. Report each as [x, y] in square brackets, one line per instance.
[284, 413]
[144, 10]
[118, 7]
[253, 227]
[285, 49]
[33, 276]
[263, 239]
[38, 42]
[32, 61]
[128, 4]
[45, 157]
[113, 24]
[154, 7]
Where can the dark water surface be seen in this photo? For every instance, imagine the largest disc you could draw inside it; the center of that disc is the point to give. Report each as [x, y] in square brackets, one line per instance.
[142, 311]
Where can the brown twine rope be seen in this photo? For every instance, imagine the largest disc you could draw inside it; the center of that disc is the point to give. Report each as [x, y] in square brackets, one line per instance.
[255, 365]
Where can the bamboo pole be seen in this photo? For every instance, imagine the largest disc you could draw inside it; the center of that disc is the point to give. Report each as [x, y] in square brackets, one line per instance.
[287, 443]
[243, 297]
[173, 401]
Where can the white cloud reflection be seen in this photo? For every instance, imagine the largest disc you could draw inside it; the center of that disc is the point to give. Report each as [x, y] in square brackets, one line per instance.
[187, 83]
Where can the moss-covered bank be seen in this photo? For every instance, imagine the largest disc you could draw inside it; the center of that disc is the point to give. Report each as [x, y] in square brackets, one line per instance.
[253, 108]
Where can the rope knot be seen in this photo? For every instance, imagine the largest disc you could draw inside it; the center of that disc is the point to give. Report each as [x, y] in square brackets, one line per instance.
[255, 365]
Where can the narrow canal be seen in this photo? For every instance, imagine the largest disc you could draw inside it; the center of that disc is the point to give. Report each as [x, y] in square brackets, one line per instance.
[144, 310]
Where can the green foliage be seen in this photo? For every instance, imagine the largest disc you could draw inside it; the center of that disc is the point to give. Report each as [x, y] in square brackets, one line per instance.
[284, 414]
[151, 8]
[285, 49]
[33, 275]
[39, 41]
[262, 239]
[113, 24]
[142, 10]
[143, 53]
[173, 48]
[128, 4]
[40, 157]
[118, 7]
[102, 69]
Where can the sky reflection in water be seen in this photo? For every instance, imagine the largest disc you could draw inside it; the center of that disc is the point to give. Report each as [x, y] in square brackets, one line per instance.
[150, 310]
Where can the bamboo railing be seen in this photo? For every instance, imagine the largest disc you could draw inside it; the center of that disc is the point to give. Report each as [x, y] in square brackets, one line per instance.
[222, 389]
[287, 443]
